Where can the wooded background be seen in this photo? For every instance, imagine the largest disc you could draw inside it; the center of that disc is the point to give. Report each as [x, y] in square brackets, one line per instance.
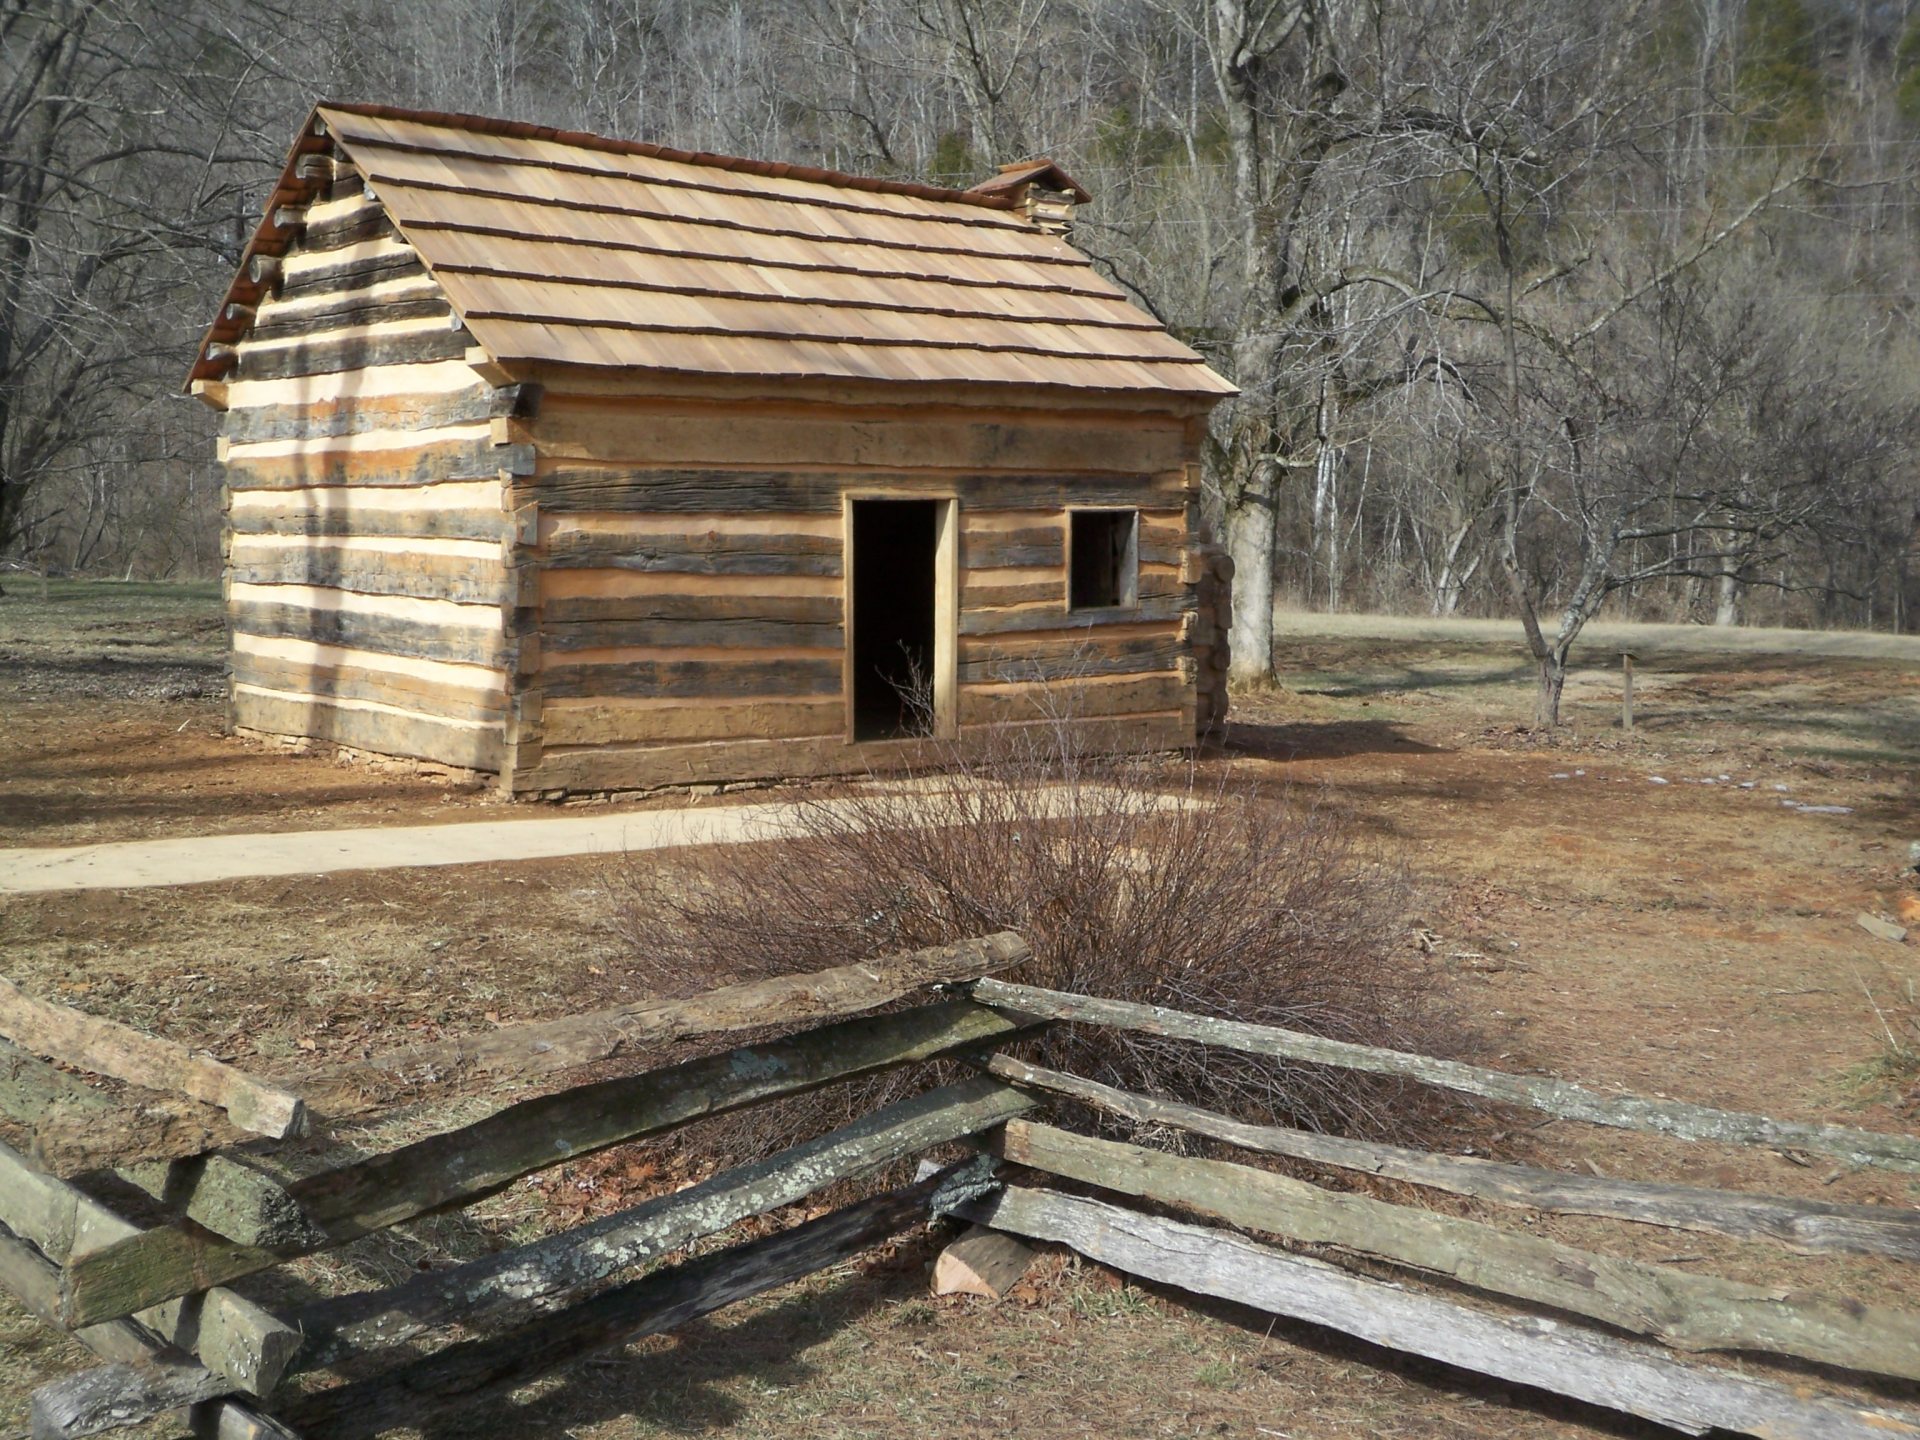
[1531, 303]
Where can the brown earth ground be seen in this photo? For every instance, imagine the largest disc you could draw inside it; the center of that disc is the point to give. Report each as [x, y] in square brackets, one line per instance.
[1690, 938]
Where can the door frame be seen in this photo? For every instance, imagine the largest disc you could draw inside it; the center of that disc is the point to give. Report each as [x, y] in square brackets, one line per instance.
[946, 607]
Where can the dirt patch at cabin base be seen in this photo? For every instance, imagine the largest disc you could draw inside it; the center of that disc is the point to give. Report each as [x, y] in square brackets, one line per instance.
[1671, 911]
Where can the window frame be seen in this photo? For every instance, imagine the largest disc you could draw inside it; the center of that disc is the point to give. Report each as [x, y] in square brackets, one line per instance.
[1128, 588]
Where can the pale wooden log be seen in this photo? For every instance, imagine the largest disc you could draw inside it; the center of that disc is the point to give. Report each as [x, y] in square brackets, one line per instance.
[1560, 1359]
[106, 1048]
[1688, 1312]
[646, 767]
[543, 1046]
[648, 722]
[460, 1166]
[379, 684]
[1058, 654]
[336, 1329]
[450, 1067]
[236, 1338]
[1118, 695]
[378, 729]
[477, 1370]
[1555, 1097]
[336, 512]
[1811, 1226]
[981, 1262]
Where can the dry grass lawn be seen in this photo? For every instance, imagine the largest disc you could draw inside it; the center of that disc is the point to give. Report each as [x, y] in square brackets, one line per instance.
[1671, 910]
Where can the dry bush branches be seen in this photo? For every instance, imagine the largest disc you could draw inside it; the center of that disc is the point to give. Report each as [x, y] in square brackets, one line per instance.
[1131, 876]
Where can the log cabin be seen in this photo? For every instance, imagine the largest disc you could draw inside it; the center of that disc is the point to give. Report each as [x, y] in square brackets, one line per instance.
[600, 466]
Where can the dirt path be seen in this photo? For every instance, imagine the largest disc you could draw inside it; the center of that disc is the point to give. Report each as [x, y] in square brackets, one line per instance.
[200, 859]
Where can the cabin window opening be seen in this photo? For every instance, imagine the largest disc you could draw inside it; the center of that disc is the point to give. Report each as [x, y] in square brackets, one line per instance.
[895, 560]
[1104, 546]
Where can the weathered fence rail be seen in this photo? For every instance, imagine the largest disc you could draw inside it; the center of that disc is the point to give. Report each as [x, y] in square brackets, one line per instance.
[153, 1302]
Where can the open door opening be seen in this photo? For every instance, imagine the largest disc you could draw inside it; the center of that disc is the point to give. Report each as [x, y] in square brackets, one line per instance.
[895, 566]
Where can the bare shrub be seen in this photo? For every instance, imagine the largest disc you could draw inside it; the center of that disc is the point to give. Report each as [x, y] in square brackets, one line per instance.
[1131, 876]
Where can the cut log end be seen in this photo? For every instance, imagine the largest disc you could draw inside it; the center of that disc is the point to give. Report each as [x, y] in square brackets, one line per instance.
[981, 1262]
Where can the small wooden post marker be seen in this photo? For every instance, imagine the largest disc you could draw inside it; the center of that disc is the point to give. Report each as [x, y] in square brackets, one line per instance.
[1626, 691]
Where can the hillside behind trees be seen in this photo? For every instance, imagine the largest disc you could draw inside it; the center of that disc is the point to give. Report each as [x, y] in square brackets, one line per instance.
[1534, 307]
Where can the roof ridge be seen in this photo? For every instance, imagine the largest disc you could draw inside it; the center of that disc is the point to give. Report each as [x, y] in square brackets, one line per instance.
[587, 140]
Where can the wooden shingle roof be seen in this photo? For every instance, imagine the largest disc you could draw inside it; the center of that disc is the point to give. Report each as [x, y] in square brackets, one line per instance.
[557, 248]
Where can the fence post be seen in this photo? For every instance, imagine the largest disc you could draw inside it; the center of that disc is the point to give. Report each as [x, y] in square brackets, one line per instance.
[1626, 691]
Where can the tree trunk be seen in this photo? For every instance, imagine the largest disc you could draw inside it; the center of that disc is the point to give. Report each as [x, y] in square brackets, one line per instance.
[1553, 680]
[1250, 538]
[1726, 606]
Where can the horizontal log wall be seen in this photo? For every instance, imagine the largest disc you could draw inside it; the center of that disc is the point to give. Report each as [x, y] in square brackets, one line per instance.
[690, 602]
[367, 584]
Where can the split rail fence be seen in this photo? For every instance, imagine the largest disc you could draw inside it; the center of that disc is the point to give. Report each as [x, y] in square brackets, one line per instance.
[162, 1299]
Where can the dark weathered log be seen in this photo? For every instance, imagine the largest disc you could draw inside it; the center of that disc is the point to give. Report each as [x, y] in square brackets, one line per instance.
[463, 1374]
[353, 352]
[695, 679]
[351, 275]
[790, 616]
[227, 1195]
[369, 630]
[370, 222]
[107, 1048]
[352, 310]
[594, 1251]
[544, 1046]
[1555, 1097]
[425, 459]
[127, 1345]
[334, 513]
[670, 633]
[1170, 606]
[231, 1335]
[1032, 546]
[575, 489]
[1806, 1225]
[1689, 1312]
[1080, 655]
[1560, 1359]
[464, 1165]
[117, 1395]
[228, 1420]
[358, 414]
[463, 578]
[708, 553]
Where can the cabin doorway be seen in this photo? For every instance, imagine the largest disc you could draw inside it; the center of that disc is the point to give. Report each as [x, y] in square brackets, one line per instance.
[900, 633]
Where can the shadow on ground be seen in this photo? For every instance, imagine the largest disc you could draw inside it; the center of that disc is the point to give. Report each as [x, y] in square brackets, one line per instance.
[1324, 740]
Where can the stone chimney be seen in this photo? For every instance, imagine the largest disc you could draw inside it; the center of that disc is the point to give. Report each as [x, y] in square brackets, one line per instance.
[1041, 189]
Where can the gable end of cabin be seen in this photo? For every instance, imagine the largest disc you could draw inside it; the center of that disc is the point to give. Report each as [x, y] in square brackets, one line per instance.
[368, 535]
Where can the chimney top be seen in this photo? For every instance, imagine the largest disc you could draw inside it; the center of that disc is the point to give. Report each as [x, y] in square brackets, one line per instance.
[1041, 188]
